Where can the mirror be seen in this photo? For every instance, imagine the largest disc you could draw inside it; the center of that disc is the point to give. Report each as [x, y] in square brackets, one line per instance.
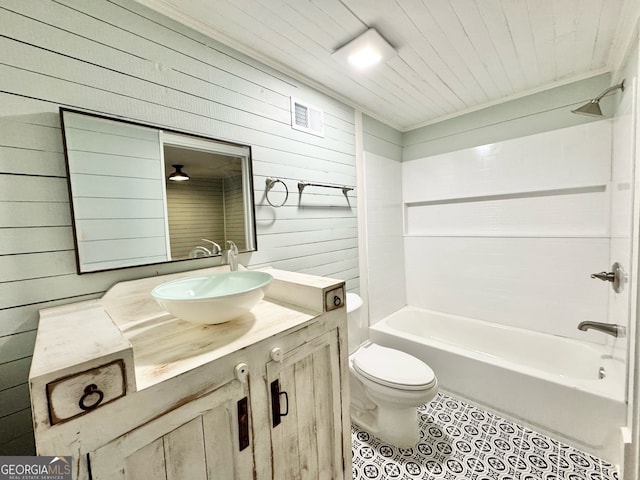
[130, 205]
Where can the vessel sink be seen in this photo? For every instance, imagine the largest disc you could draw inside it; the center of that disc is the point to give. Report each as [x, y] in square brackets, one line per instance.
[214, 298]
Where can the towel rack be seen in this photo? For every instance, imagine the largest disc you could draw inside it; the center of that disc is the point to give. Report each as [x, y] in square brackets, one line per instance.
[269, 184]
[303, 185]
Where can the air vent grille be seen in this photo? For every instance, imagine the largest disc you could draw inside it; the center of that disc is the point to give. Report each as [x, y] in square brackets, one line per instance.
[307, 118]
[302, 117]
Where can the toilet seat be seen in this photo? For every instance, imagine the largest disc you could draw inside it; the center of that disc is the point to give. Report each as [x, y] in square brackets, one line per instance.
[393, 368]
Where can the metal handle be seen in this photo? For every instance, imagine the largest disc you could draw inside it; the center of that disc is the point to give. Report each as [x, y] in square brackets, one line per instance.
[90, 391]
[605, 276]
[276, 411]
[616, 276]
[243, 423]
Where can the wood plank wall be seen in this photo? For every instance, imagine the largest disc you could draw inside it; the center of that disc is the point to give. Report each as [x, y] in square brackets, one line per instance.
[118, 193]
[234, 220]
[381, 139]
[188, 225]
[540, 112]
[118, 58]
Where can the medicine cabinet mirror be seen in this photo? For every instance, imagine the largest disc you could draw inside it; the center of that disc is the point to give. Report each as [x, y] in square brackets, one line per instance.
[126, 212]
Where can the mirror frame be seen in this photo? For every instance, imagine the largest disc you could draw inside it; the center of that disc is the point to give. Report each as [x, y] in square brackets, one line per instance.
[247, 174]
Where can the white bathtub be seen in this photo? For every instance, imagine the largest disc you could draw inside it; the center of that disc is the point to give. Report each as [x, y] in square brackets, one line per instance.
[547, 382]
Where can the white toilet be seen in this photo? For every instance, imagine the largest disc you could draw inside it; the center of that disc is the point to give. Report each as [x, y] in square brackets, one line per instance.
[387, 385]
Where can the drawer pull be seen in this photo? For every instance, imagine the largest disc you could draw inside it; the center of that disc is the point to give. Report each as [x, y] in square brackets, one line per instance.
[243, 423]
[89, 391]
[276, 409]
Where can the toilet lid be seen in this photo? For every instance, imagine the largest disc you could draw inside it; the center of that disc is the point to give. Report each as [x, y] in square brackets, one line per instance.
[393, 368]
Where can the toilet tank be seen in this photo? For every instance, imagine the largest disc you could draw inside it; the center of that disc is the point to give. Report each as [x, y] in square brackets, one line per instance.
[358, 329]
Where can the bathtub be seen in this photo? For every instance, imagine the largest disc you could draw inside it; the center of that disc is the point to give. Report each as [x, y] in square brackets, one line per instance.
[549, 383]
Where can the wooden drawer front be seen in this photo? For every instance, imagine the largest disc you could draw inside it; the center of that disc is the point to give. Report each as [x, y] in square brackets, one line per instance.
[83, 392]
[334, 299]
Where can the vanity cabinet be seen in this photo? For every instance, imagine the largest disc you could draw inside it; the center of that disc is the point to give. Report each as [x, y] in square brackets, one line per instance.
[197, 441]
[262, 397]
[305, 418]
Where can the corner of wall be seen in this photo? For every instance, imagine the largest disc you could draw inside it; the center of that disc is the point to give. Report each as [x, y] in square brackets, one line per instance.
[537, 113]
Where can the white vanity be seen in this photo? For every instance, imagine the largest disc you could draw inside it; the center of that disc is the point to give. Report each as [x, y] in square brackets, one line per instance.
[132, 392]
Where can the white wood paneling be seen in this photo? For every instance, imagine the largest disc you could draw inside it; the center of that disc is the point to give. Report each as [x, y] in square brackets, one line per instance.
[115, 188]
[195, 211]
[538, 113]
[453, 56]
[16, 346]
[96, 186]
[234, 211]
[14, 399]
[14, 373]
[121, 59]
[15, 424]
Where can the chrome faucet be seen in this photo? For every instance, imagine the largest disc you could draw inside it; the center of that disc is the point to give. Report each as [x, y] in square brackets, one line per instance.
[608, 328]
[199, 251]
[232, 256]
[216, 248]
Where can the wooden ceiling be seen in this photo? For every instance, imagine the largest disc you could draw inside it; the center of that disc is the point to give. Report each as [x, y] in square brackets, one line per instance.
[454, 56]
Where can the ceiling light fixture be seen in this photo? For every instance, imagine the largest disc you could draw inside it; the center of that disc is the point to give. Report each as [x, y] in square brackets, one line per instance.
[178, 175]
[365, 51]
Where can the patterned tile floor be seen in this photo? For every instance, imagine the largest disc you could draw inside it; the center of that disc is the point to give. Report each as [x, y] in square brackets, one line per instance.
[461, 441]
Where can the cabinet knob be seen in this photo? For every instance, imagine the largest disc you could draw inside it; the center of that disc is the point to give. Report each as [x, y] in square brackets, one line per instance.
[276, 354]
[242, 372]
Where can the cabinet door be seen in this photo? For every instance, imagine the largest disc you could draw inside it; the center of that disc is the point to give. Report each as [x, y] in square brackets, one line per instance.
[306, 418]
[198, 441]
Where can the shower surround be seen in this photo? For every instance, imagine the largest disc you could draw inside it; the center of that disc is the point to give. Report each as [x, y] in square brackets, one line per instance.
[508, 235]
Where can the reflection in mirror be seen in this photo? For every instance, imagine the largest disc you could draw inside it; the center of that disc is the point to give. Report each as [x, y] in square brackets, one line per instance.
[208, 208]
[127, 211]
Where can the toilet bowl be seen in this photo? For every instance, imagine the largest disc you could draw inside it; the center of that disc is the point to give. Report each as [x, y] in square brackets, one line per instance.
[387, 385]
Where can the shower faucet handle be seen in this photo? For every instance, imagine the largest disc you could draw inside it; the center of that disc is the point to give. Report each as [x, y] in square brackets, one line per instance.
[616, 276]
[605, 276]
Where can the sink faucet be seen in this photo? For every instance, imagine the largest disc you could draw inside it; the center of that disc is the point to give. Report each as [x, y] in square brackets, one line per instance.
[216, 248]
[199, 251]
[608, 328]
[232, 256]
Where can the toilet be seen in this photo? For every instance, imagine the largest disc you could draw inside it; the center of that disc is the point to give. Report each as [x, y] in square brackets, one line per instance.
[387, 385]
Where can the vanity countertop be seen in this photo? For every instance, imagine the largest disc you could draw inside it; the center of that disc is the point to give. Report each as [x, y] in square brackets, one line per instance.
[127, 323]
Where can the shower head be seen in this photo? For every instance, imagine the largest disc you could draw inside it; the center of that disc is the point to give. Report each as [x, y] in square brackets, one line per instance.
[592, 107]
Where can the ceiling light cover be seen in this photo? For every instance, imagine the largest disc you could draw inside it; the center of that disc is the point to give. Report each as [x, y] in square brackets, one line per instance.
[365, 51]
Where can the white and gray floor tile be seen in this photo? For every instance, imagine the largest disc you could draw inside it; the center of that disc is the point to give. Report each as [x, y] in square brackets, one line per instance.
[461, 441]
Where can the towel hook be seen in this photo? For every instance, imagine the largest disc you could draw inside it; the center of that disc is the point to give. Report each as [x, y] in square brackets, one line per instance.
[270, 182]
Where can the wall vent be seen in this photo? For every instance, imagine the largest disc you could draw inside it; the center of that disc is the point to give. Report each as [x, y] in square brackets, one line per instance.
[307, 118]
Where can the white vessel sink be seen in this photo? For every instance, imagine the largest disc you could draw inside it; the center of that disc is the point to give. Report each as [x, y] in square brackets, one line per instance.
[214, 298]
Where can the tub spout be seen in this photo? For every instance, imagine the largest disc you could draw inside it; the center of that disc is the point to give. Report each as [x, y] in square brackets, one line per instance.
[608, 328]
